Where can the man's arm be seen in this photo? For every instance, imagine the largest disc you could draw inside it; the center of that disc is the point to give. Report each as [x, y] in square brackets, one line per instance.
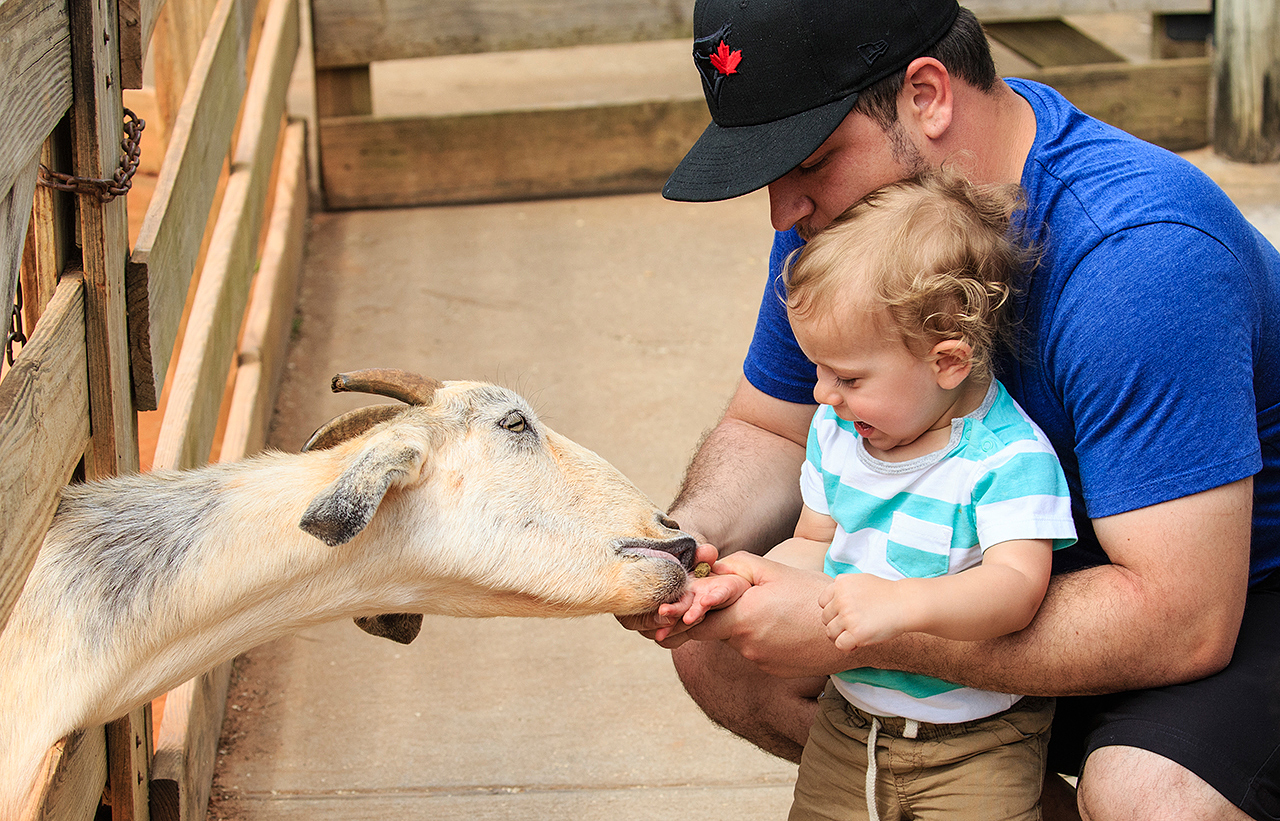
[742, 489]
[1166, 610]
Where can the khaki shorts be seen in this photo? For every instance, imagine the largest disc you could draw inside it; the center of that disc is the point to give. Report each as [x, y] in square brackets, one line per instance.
[988, 770]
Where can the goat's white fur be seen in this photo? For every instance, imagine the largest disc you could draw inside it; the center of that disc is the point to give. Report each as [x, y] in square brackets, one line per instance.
[144, 581]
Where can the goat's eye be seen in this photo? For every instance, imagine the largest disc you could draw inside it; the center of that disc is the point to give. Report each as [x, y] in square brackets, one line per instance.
[514, 422]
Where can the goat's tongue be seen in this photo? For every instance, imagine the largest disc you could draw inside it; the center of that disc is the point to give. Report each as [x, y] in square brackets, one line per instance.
[657, 554]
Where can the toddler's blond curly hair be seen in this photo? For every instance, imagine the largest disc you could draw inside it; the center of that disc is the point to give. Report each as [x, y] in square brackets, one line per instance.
[934, 251]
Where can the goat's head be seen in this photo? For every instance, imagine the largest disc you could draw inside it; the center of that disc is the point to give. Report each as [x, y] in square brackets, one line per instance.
[537, 524]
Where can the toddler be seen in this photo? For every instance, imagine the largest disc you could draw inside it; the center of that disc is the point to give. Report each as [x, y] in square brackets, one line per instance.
[929, 495]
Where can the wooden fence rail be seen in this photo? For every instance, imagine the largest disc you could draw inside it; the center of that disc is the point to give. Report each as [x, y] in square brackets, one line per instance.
[104, 325]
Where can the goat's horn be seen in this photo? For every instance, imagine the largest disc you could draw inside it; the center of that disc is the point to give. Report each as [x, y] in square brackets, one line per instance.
[350, 425]
[409, 388]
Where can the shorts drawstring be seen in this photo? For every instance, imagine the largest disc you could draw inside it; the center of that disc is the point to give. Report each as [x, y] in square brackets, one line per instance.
[910, 730]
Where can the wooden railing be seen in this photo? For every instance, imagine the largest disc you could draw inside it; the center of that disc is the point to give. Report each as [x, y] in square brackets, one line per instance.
[109, 329]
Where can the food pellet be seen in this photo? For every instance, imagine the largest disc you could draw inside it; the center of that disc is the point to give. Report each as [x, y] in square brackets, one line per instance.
[702, 570]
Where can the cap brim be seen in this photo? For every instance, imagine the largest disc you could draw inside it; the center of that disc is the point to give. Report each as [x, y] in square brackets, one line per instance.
[729, 162]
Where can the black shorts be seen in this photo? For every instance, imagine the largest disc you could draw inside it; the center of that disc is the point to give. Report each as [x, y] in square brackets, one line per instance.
[1224, 728]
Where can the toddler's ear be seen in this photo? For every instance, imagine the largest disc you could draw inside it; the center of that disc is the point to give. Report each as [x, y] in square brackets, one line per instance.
[952, 362]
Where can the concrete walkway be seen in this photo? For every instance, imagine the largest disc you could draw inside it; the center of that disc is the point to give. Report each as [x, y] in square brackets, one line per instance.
[624, 319]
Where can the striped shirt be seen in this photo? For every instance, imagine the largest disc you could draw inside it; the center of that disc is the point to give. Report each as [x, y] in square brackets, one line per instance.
[996, 480]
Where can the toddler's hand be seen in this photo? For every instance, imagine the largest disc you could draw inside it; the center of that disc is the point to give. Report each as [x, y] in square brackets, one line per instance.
[861, 609]
[702, 596]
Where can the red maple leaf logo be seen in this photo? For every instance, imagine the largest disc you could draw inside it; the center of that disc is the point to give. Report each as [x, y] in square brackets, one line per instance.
[726, 61]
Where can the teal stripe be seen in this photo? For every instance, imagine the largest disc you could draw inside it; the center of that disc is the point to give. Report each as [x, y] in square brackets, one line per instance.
[855, 509]
[1006, 422]
[1025, 474]
[909, 683]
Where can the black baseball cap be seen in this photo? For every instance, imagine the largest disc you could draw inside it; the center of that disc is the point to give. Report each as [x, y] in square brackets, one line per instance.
[780, 75]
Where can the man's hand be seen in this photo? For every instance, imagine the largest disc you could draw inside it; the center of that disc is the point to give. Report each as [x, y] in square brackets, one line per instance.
[776, 624]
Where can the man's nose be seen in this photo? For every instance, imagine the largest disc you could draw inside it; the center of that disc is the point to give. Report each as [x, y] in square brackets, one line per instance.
[788, 204]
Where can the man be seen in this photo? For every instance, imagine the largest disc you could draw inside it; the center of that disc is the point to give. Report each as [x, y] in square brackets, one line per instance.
[1149, 353]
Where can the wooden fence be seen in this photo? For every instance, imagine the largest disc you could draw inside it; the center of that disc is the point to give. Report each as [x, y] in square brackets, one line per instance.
[368, 160]
[202, 301]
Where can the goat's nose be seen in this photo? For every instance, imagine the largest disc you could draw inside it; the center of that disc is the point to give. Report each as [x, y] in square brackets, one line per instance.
[668, 522]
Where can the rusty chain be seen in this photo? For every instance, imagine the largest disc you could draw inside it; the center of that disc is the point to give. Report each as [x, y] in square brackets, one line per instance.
[15, 334]
[104, 190]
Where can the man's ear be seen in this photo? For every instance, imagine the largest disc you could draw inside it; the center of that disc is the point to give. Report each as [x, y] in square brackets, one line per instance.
[952, 362]
[926, 94]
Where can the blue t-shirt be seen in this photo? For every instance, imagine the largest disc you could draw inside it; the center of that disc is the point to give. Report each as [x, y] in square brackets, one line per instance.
[1149, 333]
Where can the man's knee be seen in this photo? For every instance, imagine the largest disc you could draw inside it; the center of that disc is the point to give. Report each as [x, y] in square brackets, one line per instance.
[772, 713]
[1134, 784]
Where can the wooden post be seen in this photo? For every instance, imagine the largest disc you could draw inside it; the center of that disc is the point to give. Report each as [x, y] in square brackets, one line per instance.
[1246, 119]
[98, 125]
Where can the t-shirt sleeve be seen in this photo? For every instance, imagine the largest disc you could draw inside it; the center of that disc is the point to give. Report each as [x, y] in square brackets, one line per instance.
[1022, 494]
[813, 490]
[1155, 368]
[775, 364]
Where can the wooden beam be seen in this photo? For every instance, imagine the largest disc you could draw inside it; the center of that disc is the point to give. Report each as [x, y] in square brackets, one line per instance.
[44, 429]
[168, 244]
[72, 778]
[359, 32]
[35, 49]
[137, 22]
[344, 92]
[1052, 43]
[186, 750]
[372, 163]
[15, 219]
[265, 340]
[1046, 9]
[217, 310]
[1246, 70]
[98, 126]
[1164, 102]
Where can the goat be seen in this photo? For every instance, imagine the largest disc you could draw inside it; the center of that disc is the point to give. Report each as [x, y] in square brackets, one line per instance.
[463, 503]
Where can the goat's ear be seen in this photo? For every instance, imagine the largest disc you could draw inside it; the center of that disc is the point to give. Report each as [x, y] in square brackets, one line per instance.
[401, 627]
[344, 508]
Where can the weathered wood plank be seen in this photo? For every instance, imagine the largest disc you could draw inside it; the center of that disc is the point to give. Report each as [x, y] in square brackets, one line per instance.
[1164, 102]
[104, 228]
[342, 92]
[44, 428]
[265, 99]
[265, 338]
[15, 217]
[48, 238]
[213, 325]
[1246, 121]
[72, 779]
[1052, 43]
[182, 771]
[137, 22]
[1043, 9]
[168, 243]
[359, 32]
[35, 85]
[372, 163]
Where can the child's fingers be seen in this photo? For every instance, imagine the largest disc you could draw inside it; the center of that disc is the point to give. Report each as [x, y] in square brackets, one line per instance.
[846, 642]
